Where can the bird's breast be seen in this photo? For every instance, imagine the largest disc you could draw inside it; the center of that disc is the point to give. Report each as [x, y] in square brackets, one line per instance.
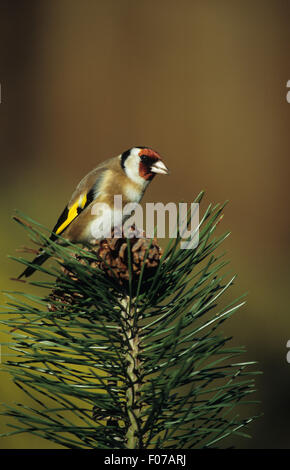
[133, 193]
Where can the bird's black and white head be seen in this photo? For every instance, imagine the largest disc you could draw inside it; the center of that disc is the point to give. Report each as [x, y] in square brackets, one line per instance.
[141, 164]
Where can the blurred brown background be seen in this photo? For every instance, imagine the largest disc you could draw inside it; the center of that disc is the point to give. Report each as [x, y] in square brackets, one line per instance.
[204, 83]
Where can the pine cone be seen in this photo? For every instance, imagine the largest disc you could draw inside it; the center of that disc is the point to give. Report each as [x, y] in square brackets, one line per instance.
[114, 253]
[111, 256]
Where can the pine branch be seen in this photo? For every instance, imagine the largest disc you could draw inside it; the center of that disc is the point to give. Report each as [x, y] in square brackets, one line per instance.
[125, 350]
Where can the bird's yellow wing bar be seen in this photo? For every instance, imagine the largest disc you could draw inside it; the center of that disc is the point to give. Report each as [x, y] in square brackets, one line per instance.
[70, 213]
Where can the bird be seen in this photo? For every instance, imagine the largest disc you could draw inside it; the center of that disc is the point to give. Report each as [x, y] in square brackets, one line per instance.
[127, 175]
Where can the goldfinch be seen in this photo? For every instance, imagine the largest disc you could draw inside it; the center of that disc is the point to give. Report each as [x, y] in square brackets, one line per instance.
[127, 175]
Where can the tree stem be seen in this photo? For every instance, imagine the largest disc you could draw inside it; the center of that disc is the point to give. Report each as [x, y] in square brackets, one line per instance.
[134, 373]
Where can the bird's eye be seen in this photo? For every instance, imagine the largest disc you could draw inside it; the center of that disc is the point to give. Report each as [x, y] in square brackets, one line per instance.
[145, 159]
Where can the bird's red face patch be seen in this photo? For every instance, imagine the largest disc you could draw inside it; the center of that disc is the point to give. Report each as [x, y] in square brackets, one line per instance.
[147, 158]
[149, 153]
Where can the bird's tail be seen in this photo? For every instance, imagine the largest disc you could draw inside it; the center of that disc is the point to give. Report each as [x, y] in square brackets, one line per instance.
[39, 259]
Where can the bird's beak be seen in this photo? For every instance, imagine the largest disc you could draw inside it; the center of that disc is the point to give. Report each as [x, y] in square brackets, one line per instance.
[159, 167]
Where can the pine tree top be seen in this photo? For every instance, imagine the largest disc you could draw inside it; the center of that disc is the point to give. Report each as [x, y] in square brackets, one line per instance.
[120, 356]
